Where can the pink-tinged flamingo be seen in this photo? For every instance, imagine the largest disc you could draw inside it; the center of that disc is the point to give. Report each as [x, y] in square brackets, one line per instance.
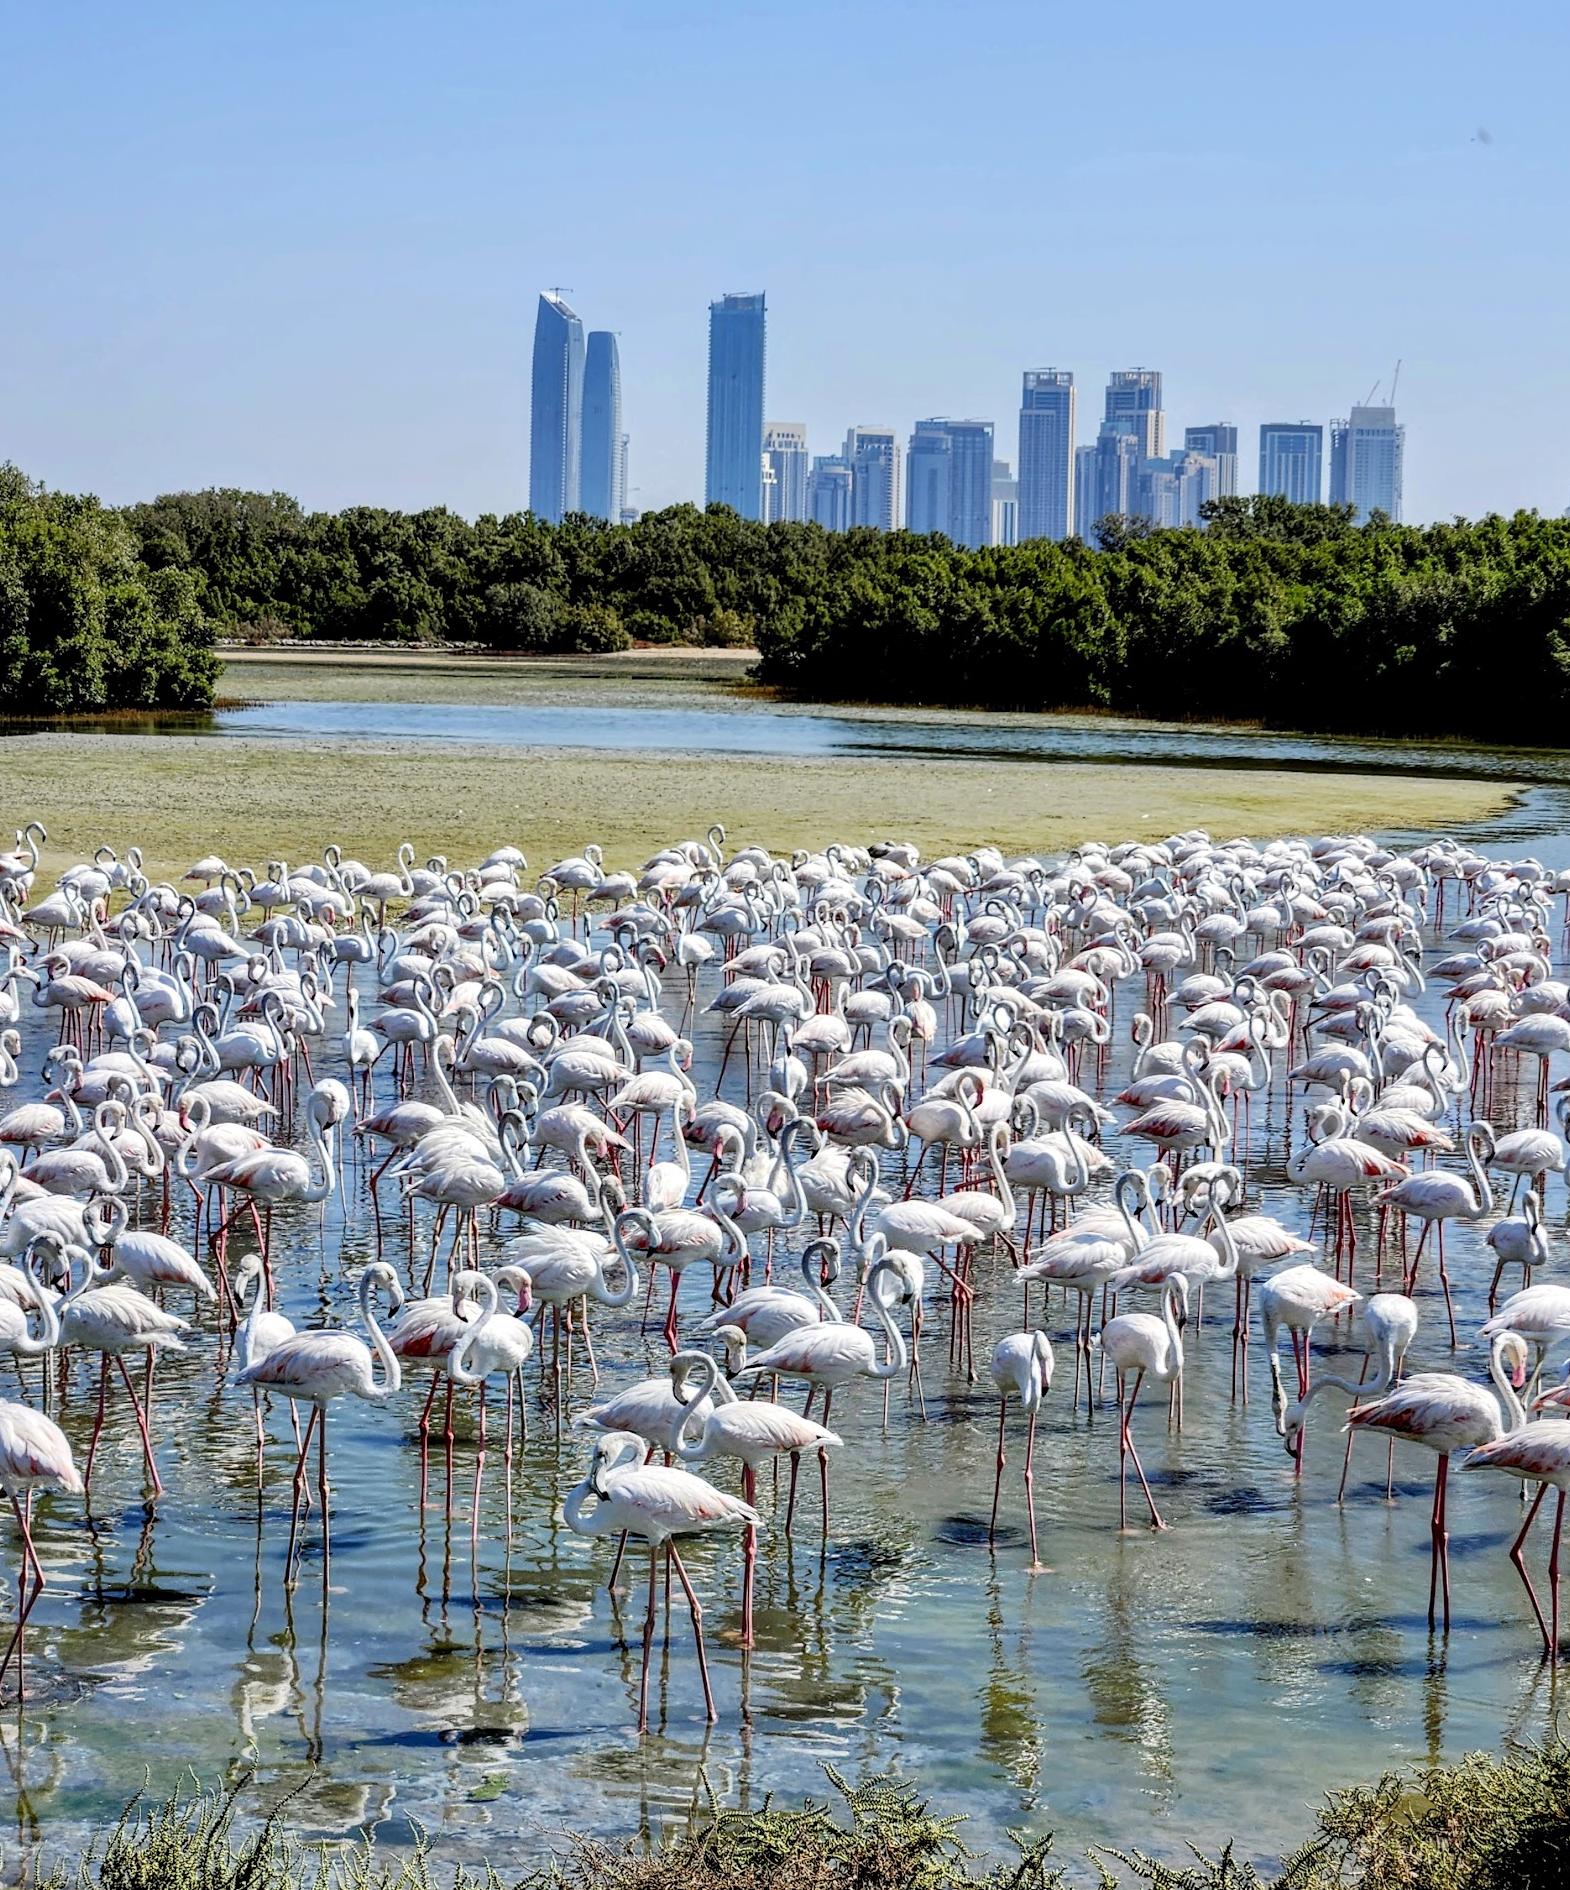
[624, 1494]
[1148, 1347]
[497, 1344]
[1297, 1298]
[112, 1320]
[1540, 1314]
[1389, 1325]
[149, 1260]
[1518, 1241]
[1339, 1163]
[830, 1354]
[1085, 1255]
[33, 1454]
[424, 1337]
[1258, 1240]
[260, 1334]
[279, 1175]
[680, 1238]
[752, 1431]
[1446, 1413]
[317, 1366]
[1021, 1368]
[566, 1268]
[1536, 1452]
[1435, 1197]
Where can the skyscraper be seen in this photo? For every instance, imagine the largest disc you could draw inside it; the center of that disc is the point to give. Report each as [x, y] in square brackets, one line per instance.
[555, 410]
[927, 477]
[602, 491]
[1170, 492]
[1366, 454]
[1134, 395]
[1106, 475]
[829, 493]
[1046, 455]
[872, 454]
[1218, 442]
[1290, 457]
[1085, 493]
[949, 480]
[784, 471]
[733, 473]
[1005, 504]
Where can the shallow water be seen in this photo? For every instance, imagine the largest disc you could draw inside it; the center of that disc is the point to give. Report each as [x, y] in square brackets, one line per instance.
[694, 707]
[1206, 1683]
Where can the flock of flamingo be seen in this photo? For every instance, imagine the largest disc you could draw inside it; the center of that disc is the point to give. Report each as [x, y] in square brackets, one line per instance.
[904, 1132]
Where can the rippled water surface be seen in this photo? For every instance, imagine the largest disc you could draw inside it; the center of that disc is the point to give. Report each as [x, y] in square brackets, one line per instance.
[1209, 1682]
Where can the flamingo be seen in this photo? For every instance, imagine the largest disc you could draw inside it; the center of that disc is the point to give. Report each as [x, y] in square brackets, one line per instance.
[624, 1493]
[752, 1432]
[1518, 1241]
[1297, 1298]
[495, 1344]
[34, 1455]
[1540, 1314]
[1085, 1255]
[830, 1354]
[1445, 1413]
[1021, 1368]
[1389, 1325]
[1148, 1347]
[1536, 1452]
[1436, 1197]
[566, 1268]
[316, 1366]
[113, 1319]
[260, 1334]
[1340, 1162]
[277, 1175]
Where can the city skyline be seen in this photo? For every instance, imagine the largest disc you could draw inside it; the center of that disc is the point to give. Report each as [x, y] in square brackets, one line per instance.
[1064, 486]
[330, 303]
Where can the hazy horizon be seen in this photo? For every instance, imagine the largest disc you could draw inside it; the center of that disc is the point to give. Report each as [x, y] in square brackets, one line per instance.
[301, 249]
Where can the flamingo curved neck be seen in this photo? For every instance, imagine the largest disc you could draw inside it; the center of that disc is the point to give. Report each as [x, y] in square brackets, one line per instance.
[898, 1358]
[1485, 1193]
[1506, 1342]
[392, 1375]
[458, 1367]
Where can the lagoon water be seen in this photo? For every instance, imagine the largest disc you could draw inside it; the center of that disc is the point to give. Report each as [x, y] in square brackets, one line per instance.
[1203, 1684]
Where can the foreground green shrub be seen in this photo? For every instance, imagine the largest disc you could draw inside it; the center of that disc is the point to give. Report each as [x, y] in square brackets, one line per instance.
[1484, 1824]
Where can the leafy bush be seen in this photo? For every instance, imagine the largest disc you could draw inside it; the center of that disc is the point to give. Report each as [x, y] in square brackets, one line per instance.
[85, 625]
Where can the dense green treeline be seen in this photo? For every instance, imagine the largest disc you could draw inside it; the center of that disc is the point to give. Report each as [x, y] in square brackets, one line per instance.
[1288, 615]
[85, 625]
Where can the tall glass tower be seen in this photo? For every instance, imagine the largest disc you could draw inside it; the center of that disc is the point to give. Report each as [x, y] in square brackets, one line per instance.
[948, 485]
[555, 410]
[1046, 454]
[733, 472]
[602, 494]
[1291, 456]
[1134, 398]
[1367, 452]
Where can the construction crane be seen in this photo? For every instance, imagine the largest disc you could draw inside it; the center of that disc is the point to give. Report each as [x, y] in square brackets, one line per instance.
[1394, 380]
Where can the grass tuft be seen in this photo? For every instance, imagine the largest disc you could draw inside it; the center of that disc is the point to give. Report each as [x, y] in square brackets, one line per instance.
[1485, 1823]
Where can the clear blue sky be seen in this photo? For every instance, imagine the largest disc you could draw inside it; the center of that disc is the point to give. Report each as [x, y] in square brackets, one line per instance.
[297, 245]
